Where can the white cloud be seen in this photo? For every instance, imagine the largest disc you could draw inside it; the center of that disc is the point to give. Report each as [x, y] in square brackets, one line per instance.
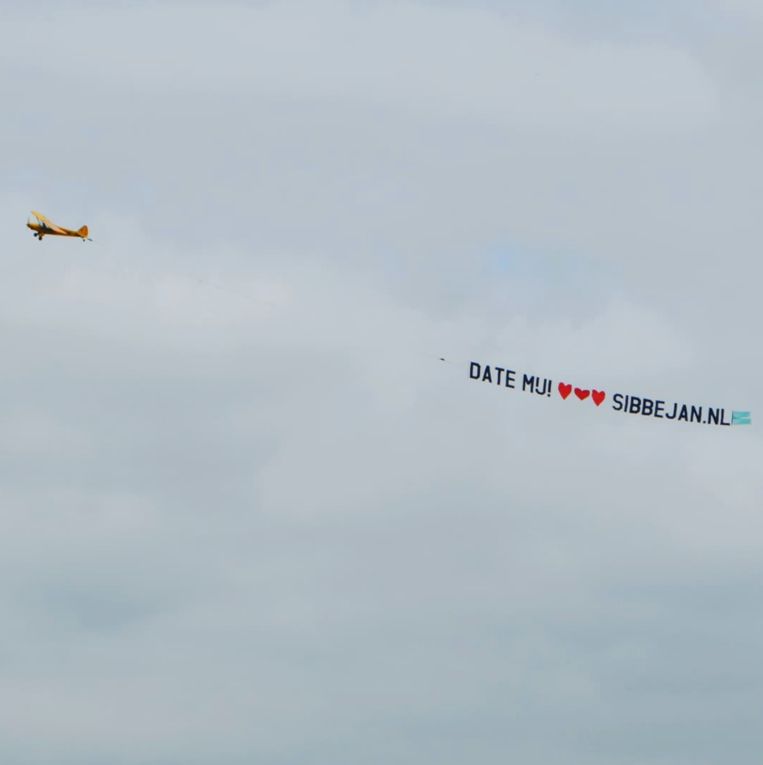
[449, 61]
[249, 515]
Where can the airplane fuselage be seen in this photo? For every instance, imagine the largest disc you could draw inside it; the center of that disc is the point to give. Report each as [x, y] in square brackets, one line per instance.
[41, 230]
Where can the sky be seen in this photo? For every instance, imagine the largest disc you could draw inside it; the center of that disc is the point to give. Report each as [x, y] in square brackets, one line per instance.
[248, 514]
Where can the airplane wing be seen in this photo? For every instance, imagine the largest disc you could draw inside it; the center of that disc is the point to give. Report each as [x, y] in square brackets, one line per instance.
[47, 222]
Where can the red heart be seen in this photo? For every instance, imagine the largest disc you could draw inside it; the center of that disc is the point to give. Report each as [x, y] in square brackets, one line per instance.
[564, 390]
[582, 394]
[598, 396]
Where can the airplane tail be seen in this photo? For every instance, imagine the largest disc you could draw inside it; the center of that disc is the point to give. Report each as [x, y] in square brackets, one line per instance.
[83, 232]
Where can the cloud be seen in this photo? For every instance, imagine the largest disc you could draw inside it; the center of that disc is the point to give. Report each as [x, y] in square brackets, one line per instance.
[475, 63]
[249, 514]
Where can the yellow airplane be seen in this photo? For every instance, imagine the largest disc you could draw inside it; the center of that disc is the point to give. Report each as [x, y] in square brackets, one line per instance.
[42, 227]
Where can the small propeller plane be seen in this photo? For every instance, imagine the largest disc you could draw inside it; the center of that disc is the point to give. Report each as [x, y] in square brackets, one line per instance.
[42, 226]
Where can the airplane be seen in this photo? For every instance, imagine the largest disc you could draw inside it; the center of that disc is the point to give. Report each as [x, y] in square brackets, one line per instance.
[42, 226]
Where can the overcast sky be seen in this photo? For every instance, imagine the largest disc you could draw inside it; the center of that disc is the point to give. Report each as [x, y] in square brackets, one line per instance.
[247, 515]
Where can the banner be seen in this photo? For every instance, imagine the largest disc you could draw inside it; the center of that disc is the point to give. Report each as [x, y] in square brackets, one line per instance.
[624, 403]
